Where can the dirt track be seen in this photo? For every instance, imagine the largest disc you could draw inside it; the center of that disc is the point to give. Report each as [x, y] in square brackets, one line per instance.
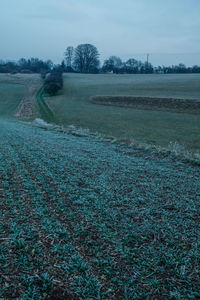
[32, 82]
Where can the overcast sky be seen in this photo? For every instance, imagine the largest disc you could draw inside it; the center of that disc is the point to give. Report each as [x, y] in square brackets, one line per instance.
[169, 30]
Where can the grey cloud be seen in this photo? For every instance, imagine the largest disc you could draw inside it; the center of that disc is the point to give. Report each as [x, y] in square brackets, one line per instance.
[46, 27]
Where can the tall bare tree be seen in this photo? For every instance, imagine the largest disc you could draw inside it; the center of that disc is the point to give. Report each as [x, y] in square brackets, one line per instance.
[69, 53]
[86, 58]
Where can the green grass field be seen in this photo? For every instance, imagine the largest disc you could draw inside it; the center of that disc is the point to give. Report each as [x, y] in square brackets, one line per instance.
[73, 106]
[10, 96]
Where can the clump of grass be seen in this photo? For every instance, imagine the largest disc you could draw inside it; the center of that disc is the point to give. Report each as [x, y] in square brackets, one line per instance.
[174, 149]
[37, 285]
[177, 148]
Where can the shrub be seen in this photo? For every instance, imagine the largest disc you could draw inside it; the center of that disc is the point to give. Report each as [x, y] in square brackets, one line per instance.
[53, 82]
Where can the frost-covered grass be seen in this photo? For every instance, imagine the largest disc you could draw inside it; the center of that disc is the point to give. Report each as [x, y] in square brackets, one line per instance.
[41, 123]
[83, 217]
[10, 96]
[159, 128]
[17, 95]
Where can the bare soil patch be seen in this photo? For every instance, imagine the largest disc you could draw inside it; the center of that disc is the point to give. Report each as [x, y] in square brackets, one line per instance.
[27, 109]
[151, 103]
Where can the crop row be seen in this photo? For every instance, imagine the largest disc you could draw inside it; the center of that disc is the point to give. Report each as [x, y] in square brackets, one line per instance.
[94, 219]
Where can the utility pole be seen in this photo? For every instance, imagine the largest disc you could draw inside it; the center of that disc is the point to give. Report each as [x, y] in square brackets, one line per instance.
[147, 58]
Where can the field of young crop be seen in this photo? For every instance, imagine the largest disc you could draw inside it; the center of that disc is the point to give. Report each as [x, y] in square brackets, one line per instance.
[83, 218]
[74, 106]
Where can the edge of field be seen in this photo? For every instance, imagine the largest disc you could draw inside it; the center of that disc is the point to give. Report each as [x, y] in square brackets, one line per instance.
[44, 110]
[174, 150]
[35, 98]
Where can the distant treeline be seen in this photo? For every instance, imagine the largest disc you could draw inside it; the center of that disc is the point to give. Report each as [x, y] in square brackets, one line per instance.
[85, 59]
[132, 66]
[32, 65]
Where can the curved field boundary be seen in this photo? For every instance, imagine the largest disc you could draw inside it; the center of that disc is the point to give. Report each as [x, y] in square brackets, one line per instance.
[151, 103]
[45, 112]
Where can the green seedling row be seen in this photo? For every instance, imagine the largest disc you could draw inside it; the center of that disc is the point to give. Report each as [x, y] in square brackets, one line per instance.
[83, 218]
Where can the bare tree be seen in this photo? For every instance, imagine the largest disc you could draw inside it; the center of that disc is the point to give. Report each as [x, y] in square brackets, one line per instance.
[132, 63]
[69, 53]
[112, 64]
[86, 58]
[117, 62]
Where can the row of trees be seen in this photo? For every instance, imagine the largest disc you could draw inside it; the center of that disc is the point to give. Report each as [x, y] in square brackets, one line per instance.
[131, 66]
[85, 59]
[181, 68]
[32, 65]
